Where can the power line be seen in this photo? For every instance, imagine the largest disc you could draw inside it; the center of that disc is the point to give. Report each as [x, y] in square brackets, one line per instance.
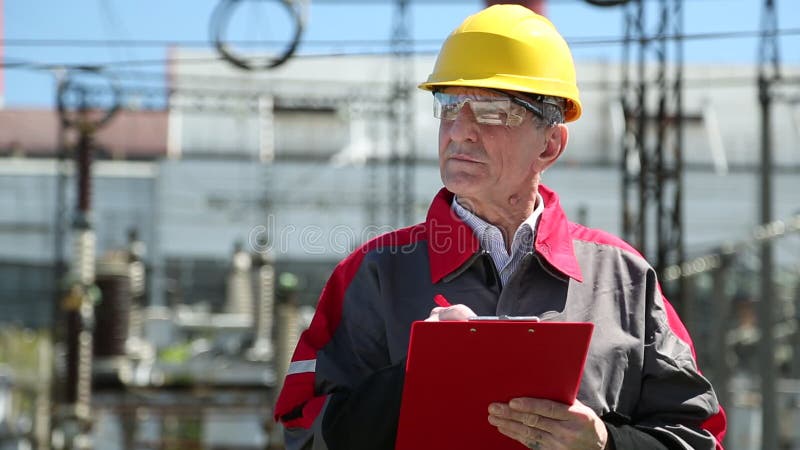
[721, 35]
[159, 77]
[386, 51]
[17, 64]
[34, 42]
[194, 43]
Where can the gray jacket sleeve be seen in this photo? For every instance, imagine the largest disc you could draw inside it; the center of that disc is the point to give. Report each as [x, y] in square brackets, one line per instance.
[676, 401]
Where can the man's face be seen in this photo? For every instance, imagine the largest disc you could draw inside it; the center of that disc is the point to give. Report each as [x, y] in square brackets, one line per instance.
[489, 162]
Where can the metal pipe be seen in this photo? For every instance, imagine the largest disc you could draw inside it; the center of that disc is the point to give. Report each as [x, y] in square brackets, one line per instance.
[768, 72]
[766, 304]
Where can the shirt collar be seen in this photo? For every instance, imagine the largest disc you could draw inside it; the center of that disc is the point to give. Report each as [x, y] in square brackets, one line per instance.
[480, 226]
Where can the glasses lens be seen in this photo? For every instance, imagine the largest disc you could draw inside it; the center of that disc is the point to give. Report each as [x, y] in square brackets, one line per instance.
[491, 112]
[487, 110]
[445, 106]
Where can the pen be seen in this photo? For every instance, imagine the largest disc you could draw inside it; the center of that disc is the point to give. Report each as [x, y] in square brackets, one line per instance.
[441, 301]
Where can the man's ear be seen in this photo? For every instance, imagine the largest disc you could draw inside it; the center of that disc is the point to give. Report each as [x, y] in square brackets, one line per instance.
[555, 142]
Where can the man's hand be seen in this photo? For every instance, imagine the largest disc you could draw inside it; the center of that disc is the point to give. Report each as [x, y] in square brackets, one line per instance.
[545, 424]
[455, 312]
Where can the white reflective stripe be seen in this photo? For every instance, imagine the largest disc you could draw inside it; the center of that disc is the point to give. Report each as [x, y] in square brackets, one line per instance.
[302, 366]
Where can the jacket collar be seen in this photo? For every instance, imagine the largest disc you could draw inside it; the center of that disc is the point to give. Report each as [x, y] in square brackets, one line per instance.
[451, 242]
[553, 239]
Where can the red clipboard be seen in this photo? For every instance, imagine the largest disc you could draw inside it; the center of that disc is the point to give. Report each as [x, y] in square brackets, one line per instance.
[456, 369]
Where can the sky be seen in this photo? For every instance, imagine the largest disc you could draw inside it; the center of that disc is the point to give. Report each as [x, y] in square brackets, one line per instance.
[135, 36]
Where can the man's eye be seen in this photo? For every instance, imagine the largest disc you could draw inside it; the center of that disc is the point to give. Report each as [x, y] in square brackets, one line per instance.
[450, 110]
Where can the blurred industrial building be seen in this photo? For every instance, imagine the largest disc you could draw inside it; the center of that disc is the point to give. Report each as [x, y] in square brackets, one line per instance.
[217, 220]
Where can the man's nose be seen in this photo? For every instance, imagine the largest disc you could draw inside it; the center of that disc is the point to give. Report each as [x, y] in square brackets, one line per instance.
[464, 127]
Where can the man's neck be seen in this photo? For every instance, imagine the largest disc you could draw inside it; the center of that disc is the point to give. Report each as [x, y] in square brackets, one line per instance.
[507, 215]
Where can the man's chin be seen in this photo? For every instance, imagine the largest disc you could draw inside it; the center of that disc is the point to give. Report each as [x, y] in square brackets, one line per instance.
[463, 186]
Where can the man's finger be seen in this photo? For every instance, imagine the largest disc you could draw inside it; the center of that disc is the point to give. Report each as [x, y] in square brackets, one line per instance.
[456, 312]
[542, 407]
[524, 434]
[434, 316]
[535, 421]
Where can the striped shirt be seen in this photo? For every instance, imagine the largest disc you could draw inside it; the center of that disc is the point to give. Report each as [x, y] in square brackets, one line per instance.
[491, 238]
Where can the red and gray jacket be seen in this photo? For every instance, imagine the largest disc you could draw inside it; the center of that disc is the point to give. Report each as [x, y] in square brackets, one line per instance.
[640, 372]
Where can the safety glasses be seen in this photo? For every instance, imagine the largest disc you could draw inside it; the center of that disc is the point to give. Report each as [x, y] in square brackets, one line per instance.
[488, 110]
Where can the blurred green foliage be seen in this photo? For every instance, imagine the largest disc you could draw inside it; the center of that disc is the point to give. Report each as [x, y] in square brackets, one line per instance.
[20, 349]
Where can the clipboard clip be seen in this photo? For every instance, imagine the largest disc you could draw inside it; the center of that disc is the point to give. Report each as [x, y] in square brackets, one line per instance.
[507, 317]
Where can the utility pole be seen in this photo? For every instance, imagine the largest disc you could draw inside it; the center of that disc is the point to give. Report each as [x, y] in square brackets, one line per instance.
[768, 74]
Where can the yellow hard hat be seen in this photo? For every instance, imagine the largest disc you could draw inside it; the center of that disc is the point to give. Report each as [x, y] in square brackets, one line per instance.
[512, 48]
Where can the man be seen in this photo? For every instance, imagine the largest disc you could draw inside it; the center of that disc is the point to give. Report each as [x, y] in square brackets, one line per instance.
[497, 242]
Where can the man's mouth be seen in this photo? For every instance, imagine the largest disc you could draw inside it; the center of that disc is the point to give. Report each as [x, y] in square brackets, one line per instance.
[464, 157]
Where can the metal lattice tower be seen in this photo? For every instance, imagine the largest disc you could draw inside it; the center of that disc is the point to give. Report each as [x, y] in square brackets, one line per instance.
[652, 162]
[401, 116]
